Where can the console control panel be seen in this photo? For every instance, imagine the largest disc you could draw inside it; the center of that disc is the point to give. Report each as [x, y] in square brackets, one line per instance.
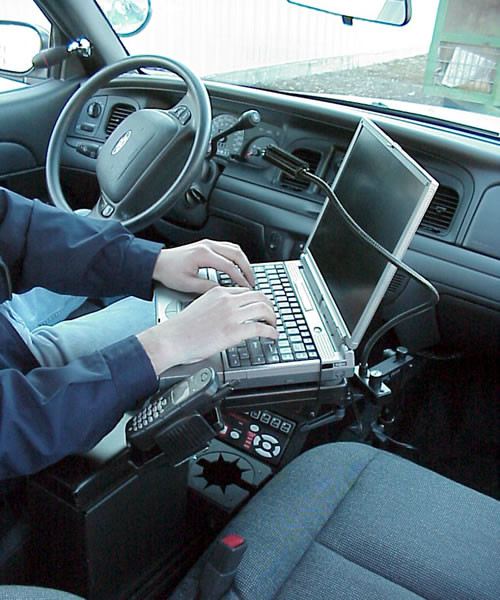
[262, 433]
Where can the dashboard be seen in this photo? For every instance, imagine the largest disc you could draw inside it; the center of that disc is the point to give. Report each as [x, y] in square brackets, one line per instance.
[250, 202]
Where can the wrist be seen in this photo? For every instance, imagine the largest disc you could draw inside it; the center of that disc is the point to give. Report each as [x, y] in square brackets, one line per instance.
[156, 349]
[157, 269]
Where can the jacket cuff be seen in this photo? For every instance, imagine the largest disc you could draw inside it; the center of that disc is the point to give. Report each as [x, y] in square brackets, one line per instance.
[141, 260]
[131, 370]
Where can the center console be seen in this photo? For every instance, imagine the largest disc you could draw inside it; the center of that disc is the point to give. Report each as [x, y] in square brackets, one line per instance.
[133, 512]
[104, 525]
[263, 434]
[261, 431]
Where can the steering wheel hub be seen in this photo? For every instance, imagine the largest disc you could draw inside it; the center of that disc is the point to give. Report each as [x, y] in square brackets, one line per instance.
[152, 157]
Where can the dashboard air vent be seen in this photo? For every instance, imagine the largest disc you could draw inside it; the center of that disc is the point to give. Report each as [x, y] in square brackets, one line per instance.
[118, 113]
[309, 156]
[440, 213]
[396, 286]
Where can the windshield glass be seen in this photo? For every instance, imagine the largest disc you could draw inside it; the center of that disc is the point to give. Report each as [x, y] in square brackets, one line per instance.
[444, 64]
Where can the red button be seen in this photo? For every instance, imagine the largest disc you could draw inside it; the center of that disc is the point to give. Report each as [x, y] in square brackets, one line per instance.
[233, 540]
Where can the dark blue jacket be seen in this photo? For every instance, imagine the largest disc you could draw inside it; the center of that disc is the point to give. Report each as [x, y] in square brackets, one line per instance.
[48, 413]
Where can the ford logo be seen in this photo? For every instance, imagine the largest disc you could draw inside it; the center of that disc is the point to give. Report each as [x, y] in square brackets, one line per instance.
[121, 142]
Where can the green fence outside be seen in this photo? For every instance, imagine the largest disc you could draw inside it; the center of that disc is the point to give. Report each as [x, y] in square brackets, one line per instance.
[464, 66]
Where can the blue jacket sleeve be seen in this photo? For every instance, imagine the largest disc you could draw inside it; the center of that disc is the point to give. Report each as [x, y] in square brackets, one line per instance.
[66, 253]
[50, 413]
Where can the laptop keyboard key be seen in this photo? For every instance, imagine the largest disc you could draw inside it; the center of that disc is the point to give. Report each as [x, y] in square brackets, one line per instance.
[294, 342]
[243, 353]
[257, 359]
[233, 359]
[270, 352]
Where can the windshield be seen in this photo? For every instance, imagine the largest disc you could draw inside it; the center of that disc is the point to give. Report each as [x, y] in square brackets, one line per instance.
[444, 64]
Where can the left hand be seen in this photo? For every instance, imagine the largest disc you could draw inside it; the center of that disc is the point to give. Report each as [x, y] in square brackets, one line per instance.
[177, 268]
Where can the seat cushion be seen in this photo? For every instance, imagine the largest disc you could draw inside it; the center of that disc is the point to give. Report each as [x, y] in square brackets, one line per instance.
[348, 521]
[21, 592]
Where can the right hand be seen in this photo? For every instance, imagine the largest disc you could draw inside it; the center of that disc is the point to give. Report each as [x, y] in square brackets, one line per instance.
[221, 318]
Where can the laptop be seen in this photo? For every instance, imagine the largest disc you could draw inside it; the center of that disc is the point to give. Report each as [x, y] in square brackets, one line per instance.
[326, 299]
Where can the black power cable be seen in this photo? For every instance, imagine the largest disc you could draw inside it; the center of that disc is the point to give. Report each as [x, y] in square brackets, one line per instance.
[299, 169]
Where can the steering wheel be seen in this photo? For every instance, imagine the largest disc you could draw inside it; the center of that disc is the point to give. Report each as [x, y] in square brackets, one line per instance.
[143, 167]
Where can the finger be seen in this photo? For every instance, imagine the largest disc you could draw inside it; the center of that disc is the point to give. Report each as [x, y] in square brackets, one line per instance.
[241, 270]
[238, 290]
[221, 263]
[246, 296]
[216, 261]
[252, 329]
[210, 288]
[257, 311]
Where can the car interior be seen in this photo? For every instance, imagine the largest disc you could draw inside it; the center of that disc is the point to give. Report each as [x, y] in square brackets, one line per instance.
[380, 481]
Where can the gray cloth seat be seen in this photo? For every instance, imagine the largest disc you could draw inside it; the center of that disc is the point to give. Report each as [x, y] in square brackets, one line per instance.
[347, 521]
[21, 592]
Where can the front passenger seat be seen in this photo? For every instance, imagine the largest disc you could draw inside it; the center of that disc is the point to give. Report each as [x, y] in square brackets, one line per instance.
[348, 521]
[22, 592]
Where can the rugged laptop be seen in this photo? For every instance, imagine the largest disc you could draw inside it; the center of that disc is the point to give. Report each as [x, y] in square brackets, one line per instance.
[326, 299]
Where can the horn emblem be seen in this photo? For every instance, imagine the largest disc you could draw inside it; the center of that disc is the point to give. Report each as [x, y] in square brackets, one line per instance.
[121, 142]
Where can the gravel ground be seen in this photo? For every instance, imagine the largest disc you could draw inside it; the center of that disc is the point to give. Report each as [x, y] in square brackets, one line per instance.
[401, 79]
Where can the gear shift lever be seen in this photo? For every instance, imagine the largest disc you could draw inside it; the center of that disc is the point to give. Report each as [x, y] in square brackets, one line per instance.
[247, 120]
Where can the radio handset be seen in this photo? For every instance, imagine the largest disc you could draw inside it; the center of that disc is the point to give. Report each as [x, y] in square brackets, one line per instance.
[175, 420]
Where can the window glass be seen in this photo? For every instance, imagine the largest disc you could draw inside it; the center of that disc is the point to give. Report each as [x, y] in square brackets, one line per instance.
[444, 64]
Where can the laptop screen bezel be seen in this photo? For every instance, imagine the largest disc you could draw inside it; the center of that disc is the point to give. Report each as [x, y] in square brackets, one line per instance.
[320, 289]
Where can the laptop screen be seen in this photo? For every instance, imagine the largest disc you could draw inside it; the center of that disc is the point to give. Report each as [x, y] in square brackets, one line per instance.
[387, 194]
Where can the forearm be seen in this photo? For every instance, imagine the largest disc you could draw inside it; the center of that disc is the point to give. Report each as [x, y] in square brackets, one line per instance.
[44, 246]
[51, 413]
[102, 259]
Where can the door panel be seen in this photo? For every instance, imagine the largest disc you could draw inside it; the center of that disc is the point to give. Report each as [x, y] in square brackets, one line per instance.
[27, 117]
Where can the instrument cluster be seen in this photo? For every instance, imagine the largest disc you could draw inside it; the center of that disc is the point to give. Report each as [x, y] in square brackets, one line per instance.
[247, 146]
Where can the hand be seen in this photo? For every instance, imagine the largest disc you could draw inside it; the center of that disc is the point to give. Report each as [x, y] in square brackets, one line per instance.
[221, 318]
[177, 268]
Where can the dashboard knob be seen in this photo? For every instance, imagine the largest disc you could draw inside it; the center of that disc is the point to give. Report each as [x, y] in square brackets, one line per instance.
[94, 110]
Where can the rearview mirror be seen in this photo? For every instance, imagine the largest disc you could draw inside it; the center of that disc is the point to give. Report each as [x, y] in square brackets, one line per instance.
[19, 43]
[388, 12]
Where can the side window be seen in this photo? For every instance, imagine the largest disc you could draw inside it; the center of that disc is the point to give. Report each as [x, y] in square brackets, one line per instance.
[24, 31]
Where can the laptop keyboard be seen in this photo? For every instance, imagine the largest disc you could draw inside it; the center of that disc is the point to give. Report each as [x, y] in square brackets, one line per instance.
[294, 343]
